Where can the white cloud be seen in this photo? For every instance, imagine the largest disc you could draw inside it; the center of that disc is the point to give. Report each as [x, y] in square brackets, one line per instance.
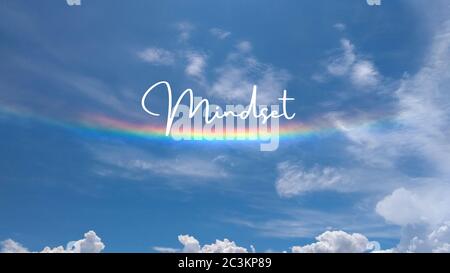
[338, 242]
[370, 146]
[293, 179]
[423, 215]
[10, 246]
[135, 164]
[428, 204]
[361, 72]
[422, 117]
[91, 243]
[305, 223]
[192, 245]
[425, 238]
[166, 249]
[220, 33]
[225, 246]
[364, 74]
[158, 56]
[341, 64]
[422, 122]
[236, 77]
[184, 29]
[73, 2]
[419, 238]
[340, 26]
[244, 46]
[176, 167]
[196, 64]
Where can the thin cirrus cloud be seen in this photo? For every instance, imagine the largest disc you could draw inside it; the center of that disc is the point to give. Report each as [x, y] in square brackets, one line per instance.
[132, 163]
[220, 33]
[294, 179]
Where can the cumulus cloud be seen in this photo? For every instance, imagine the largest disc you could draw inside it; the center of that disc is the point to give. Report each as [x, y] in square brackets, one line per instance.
[192, 245]
[426, 204]
[293, 179]
[338, 242]
[157, 56]
[10, 246]
[423, 215]
[91, 243]
[424, 238]
[220, 33]
[360, 71]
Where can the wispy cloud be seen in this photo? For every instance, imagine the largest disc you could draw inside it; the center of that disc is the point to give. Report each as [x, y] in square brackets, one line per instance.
[307, 223]
[220, 33]
[137, 164]
[362, 73]
[422, 122]
[241, 70]
[184, 30]
[358, 70]
[293, 179]
[196, 64]
[340, 26]
[157, 56]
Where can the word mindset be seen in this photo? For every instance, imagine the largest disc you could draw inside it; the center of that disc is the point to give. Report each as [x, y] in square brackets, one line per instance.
[200, 120]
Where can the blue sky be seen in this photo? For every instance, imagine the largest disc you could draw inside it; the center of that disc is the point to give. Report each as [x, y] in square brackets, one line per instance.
[341, 61]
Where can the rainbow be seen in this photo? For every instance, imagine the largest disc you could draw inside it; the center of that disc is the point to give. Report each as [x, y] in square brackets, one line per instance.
[110, 126]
